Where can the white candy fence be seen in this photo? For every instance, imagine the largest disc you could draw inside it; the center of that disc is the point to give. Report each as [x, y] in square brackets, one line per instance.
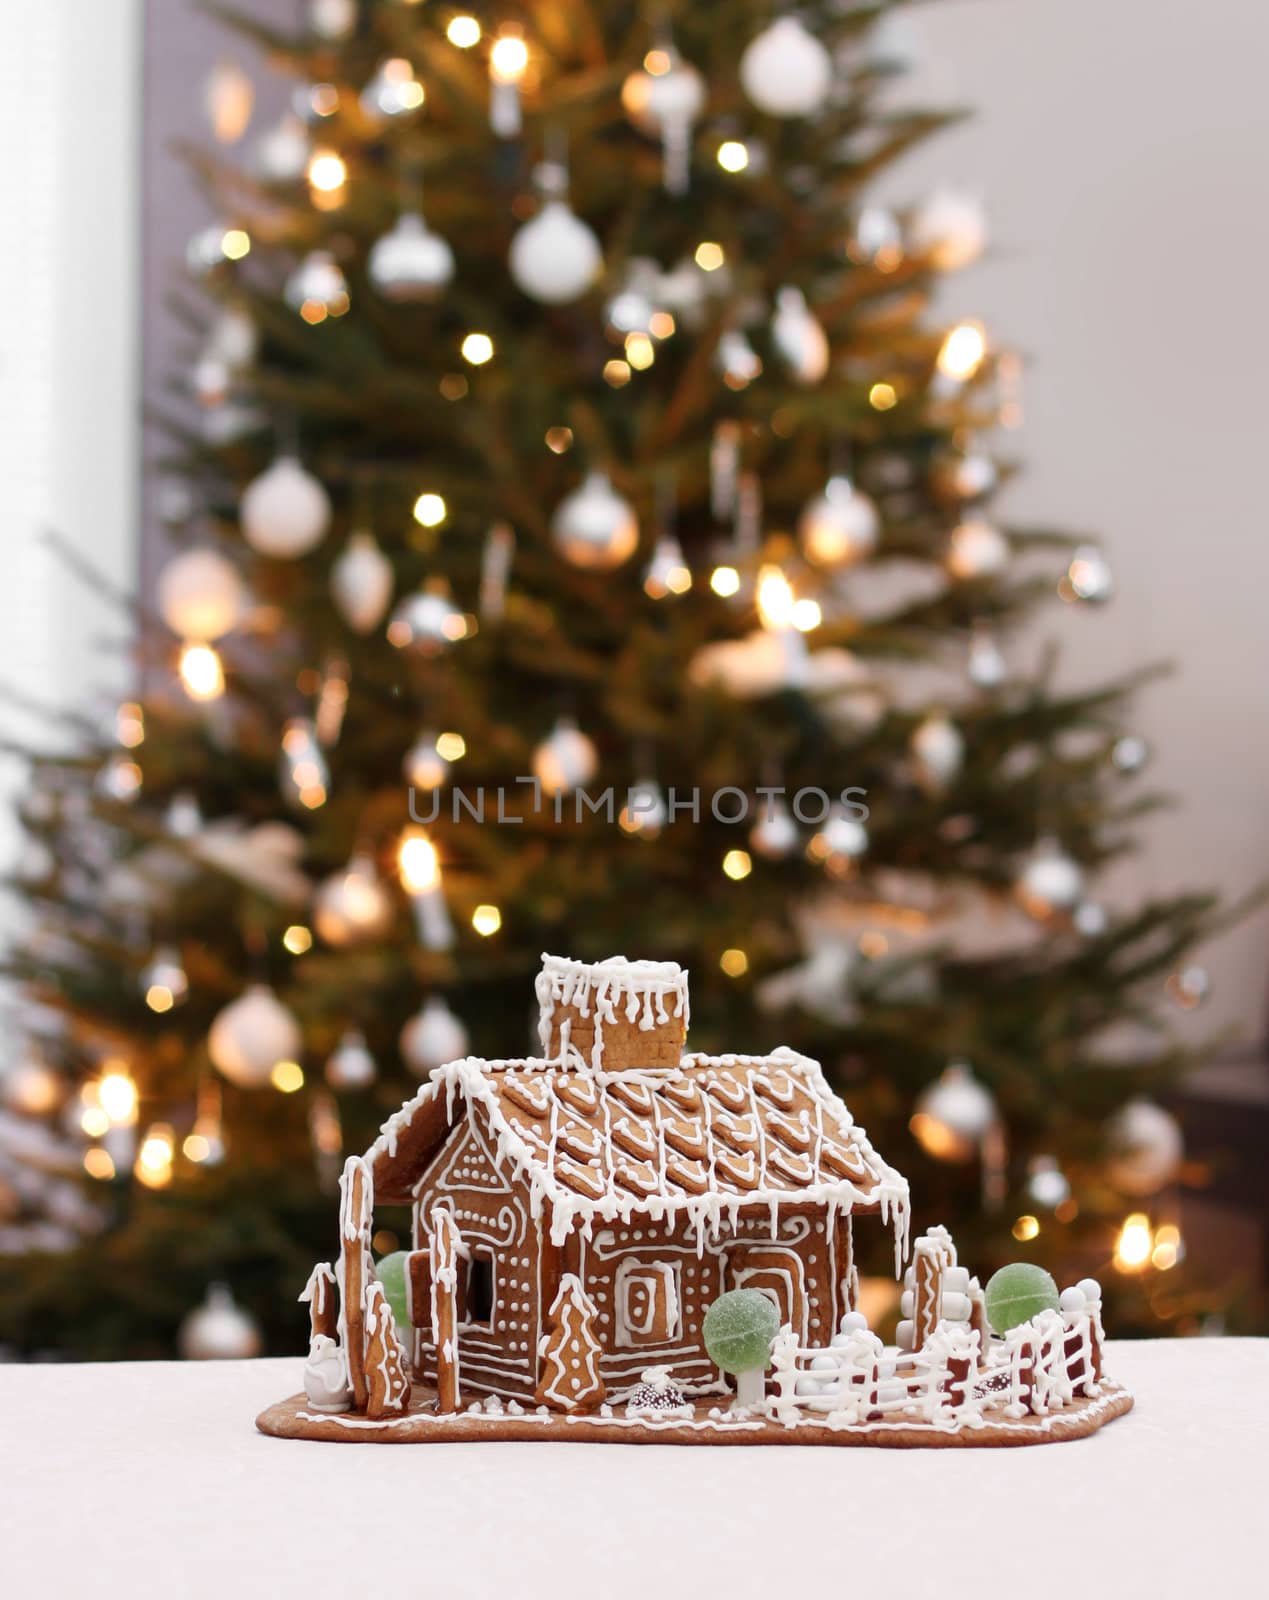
[1038, 1367]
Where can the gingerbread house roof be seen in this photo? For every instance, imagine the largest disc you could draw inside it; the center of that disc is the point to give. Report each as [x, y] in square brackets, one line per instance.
[711, 1137]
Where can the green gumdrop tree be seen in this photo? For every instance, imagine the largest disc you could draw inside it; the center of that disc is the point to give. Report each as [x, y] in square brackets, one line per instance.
[784, 573]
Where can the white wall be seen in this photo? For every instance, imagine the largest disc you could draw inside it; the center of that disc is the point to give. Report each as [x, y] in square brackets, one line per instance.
[1121, 145]
[69, 405]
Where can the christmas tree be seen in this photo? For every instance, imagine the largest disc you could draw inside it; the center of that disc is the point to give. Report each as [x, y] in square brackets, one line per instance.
[588, 545]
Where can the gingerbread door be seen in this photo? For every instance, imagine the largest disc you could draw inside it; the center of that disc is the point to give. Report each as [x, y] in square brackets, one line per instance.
[777, 1273]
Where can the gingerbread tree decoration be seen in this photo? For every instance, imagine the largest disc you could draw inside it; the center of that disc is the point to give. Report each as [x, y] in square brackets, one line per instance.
[570, 1352]
[388, 1388]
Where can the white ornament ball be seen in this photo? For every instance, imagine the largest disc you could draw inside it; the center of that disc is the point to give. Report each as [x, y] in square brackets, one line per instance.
[424, 765]
[285, 512]
[1090, 919]
[1089, 576]
[645, 811]
[565, 759]
[427, 621]
[1146, 1148]
[282, 154]
[799, 337]
[594, 527]
[963, 475]
[977, 549]
[432, 1038]
[1046, 1183]
[317, 282]
[656, 102]
[200, 595]
[352, 906]
[219, 1330]
[938, 748]
[410, 262]
[251, 1035]
[234, 338]
[1050, 882]
[786, 71]
[950, 228]
[987, 667]
[332, 19]
[351, 1066]
[840, 526]
[555, 257]
[361, 583]
[953, 1115]
[775, 833]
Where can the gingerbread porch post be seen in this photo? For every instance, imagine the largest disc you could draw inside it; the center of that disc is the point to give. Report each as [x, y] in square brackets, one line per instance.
[355, 1270]
[446, 1247]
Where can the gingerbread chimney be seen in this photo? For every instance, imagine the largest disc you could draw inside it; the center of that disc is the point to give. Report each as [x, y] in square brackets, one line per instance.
[614, 1015]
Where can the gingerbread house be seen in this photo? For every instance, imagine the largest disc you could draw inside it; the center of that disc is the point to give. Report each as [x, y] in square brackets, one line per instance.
[642, 1181]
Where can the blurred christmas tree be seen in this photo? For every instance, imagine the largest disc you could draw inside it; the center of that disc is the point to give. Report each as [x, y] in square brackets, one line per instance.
[570, 410]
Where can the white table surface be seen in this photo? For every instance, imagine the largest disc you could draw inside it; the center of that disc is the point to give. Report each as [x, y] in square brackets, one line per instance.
[145, 1480]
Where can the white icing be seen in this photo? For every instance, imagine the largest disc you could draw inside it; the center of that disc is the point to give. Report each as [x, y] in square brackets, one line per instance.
[474, 1082]
[648, 993]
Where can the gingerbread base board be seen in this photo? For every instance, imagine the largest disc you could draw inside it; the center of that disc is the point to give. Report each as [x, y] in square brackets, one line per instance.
[292, 1419]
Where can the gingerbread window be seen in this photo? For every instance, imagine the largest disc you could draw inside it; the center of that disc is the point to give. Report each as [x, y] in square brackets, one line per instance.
[647, 1302]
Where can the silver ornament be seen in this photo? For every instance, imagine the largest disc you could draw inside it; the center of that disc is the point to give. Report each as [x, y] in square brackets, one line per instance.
[962, 475]
[206, 250]
[840, 526]
[786, 71]
[1146, 1148]
[393, 91]
[645, 811]
[950, 229]
[1050, 882]
[332, 19]
[317, 288]
[163, 980]
[1047, 1184]
[667, 102]
[119, 779]
[424, 766]
[894, 43]
[353, 906]
[284, 512]
[351, 1066]
[954, 1115]
[987, 668]
[839, 843]
[938, 749]
[977, 549]
[410, 262]
[1090, 919]
[633, 307]
[668, 573]
[251, 1035]
[875, 238]
[594, 527]
[775, 833]
[1088, 578]
[566, 759]
[737, 359]
[799, 337]
[432, 1038]
[219, 1330]
[555, 257]
[361, 583]
[1130, 753]
[427, 621]
[233, 338]
[282, 155]
[1189, 988]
